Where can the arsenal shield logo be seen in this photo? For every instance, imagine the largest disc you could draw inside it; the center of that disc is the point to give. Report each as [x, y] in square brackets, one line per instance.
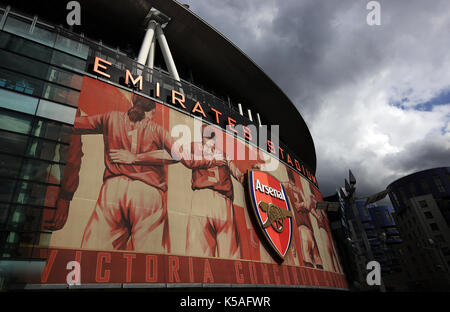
[272, 210]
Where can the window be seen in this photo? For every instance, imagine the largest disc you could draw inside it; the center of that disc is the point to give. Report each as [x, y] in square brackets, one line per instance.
[37, 194]
[23, 28]
[55, 111]
[23, 64]
[20, 83]
[25, 47]
[61, 94]
[18, 102]
[41, 171]
[13, 143]
[428, 215]
[434, 227]
[66, 61]
[9, 166]
[52, 130]
[438, 183]
[47, 150]
[64, 78]
[71, 46]
[15, 122]
[6, 189]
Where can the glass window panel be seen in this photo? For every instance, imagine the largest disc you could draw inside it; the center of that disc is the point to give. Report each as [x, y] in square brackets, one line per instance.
[44, 36]
[65, 78]
[71, 46]
[20, 83]
[22, 28]
[9, 166]
[17, 26]
[41, 171]
[13, 143]
[23, 64]
[35, 170]
[4, 208]
[25, 47]
[6, 189]
[56, 111]
[52, 130]
[47, 150]
[36, 194]
[61, 94]
[16, 122]
[67, 61]
[18, 102]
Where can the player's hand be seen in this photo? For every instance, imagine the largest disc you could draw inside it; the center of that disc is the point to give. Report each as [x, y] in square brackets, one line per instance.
[220, 162]
[60, 217]
[122, 156]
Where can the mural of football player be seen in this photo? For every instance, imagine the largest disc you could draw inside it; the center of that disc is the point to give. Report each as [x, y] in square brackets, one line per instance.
[325, 235]
[302, 204]
[130, 212]
[211, 229]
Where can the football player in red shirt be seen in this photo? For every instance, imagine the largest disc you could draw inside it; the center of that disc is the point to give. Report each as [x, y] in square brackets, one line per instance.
[129, 213]
[302, 207]
[211, 229]
[325, 235]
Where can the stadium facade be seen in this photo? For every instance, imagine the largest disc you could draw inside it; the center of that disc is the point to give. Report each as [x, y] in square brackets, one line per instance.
[92, 192]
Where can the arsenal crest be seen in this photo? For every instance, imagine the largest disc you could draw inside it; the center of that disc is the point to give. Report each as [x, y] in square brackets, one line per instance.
[272, 210]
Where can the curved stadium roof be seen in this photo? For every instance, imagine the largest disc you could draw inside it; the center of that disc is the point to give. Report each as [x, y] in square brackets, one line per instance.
[196, 44]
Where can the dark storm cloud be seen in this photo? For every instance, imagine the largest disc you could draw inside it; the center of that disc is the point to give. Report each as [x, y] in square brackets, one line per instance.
[343, 75]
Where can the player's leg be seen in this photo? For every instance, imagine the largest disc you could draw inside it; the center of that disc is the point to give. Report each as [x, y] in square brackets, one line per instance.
[226, 228]
[200, 232]
[106, 229]
[148, 217]
[317, 259]
[307, 241]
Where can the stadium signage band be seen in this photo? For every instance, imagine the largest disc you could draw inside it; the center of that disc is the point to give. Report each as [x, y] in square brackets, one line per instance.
[272, 210]
[215, 115]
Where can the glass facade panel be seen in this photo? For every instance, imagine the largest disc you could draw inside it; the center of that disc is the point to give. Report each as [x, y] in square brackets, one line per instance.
[9, 166]
[18, 26]
[36, 194]
[23, 28]
[15, 122]
[64, 78]
[47, 150]
[13, 143]
[43, 36]
[66, 61]
[52, 130]
[20, 83]
[61, 94]
[6, 189]
[25, 47]
[56, 111]
[23, 64]
[35, 170]
[18, 102]
[71, 46]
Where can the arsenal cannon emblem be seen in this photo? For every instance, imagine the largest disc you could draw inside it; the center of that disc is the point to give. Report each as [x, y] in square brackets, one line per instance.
[272, 210]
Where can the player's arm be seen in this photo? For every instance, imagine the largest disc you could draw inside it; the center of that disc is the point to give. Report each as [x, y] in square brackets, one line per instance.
[157, 157]
[186, 156]
[90, 124]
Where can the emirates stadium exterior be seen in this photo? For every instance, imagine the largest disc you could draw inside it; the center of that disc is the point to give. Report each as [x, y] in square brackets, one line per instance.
[138, 150]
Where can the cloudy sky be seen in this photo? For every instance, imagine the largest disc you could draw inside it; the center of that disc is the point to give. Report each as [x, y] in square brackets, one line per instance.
[376, 98]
